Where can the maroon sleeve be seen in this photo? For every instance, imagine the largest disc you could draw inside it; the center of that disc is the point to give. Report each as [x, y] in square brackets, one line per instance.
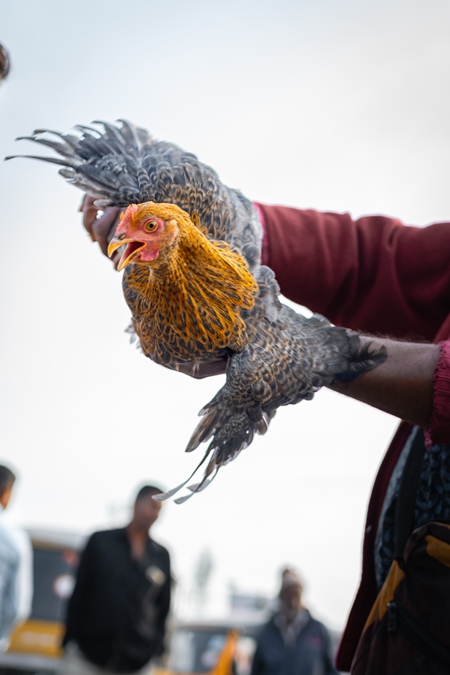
[373, 274]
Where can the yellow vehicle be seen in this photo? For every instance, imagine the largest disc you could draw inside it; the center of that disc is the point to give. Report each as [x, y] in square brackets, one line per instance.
[211, 648]
[35, 644]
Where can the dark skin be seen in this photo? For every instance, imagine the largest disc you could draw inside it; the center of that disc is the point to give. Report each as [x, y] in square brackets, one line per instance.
[291, 601]
[5, 496]
[401, 386]
[145, 513]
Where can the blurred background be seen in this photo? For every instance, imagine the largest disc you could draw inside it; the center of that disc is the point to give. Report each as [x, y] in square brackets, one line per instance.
[340, 106]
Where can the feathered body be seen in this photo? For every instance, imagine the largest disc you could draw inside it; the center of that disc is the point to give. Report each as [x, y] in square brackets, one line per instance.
[195, 284]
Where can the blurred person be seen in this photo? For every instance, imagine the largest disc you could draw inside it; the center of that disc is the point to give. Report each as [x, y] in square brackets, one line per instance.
[117, 614]
[292, 642]
[15, 566]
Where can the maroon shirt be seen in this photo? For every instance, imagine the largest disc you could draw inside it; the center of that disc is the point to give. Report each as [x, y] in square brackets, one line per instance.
[378, 276]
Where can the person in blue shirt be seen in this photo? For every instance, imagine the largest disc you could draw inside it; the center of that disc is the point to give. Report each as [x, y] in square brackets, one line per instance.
[9, 560]
[15, 565]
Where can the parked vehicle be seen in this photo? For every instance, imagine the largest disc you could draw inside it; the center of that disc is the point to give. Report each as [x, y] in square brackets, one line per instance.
[35, 644]
[212, 648]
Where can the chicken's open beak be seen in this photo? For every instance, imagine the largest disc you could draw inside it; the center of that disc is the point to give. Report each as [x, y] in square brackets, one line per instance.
[131, 249]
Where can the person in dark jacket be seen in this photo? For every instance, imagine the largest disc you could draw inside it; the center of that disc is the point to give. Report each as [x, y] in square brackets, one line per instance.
[292, 642]
[117, 614]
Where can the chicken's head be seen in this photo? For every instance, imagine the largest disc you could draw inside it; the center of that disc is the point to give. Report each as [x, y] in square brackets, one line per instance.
[147, 230]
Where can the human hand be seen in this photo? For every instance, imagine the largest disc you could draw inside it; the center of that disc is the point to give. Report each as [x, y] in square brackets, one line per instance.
[101, 228]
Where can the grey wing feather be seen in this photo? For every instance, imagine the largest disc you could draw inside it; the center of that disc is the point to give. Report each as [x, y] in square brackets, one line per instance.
[122, 164]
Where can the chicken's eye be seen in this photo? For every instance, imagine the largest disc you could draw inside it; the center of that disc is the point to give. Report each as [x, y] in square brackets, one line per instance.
[150, 226]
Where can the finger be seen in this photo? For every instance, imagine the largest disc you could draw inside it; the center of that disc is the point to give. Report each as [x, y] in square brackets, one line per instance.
[103, 228]
[89, 212]
[80, 208]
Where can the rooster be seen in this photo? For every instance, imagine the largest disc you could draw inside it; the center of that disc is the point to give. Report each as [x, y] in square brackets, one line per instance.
[190, 248]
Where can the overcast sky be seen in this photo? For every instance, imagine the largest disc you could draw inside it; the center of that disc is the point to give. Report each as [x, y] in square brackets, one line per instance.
[337, 105]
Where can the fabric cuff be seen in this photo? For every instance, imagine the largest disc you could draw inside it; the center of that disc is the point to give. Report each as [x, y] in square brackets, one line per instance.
[439, 429]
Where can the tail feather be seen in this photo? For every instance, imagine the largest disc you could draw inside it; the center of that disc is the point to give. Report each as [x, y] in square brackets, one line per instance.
[162, 496]
[208, 477]
[52, 160]
[103, 162]
[204, 430]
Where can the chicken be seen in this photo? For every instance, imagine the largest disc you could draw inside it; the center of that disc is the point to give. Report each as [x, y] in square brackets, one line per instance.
[193, 280]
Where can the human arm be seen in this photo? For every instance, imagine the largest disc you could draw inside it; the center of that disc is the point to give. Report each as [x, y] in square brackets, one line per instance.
[8, 591]
[24, 585]
[371, 274]
[402, 385]
[406, 385]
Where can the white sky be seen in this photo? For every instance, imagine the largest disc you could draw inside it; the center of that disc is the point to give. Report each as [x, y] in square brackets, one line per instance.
[339, 105]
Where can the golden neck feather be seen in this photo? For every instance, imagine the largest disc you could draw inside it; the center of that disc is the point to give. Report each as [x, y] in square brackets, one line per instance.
[198, 289]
